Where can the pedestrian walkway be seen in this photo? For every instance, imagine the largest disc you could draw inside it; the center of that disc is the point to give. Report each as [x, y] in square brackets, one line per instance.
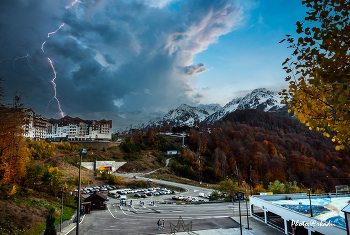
[67, 229]
[256, 228]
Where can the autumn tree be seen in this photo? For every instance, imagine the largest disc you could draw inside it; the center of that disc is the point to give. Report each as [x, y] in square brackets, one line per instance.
[150, 137]
[51, 179]
[41, 150]
[14, 154]
[112, 180]
[319, 69]
[228, 187]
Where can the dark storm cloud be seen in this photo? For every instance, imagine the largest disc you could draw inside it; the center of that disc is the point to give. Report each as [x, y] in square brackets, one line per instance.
[113, 61]
[198, 96]
[193, 70]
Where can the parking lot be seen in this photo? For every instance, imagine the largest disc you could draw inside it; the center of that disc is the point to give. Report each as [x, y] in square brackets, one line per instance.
[141, 216]
[154, 194]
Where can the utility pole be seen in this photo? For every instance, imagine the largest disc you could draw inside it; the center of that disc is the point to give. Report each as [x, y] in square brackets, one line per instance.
[251, 184]
[81, 153]
[62, 209]
[310, 201]
[237, 169]
[233, 196]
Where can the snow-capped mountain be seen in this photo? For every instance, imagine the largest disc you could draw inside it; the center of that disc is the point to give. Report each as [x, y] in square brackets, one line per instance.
[186, 115]
[261, 99]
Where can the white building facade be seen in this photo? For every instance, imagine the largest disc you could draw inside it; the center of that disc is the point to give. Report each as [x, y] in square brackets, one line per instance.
[76, 129]
[35, 126]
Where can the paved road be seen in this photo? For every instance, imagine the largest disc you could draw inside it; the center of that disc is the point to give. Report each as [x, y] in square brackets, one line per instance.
[190, 190]
[143, 219]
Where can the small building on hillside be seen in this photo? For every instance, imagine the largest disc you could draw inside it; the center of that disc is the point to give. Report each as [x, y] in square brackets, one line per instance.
[171, 152]
[109, 166]
[98, 201]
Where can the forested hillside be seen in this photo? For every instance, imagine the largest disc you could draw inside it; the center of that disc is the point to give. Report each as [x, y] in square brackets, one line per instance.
[276, 147]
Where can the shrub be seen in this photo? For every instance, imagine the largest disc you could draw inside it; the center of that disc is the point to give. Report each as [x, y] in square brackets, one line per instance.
[41, 150]
[104, 175]
[112, 179]
[50, 223]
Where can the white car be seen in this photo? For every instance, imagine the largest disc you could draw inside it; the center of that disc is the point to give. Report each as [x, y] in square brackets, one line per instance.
[149, 180]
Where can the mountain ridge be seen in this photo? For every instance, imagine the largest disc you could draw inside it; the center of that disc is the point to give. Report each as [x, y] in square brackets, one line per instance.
[260, 99]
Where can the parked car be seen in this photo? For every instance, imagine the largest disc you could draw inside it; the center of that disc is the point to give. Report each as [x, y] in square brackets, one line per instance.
[149, 180]
[144, 196]
[137, 195]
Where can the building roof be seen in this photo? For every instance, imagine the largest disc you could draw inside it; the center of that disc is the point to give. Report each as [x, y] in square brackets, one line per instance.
[346, 209]
[96, 194]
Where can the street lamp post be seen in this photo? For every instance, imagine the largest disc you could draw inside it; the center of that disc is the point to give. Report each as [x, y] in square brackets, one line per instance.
[310, 201]
[251, 187]
[239, 197]
[61, 210]
[81, 153]
[246, 202]
[233, 196]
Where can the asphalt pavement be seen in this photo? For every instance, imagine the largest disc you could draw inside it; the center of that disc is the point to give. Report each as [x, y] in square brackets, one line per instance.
[203, 219]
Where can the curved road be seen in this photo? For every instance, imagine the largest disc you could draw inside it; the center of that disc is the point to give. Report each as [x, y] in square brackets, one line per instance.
[190, 190]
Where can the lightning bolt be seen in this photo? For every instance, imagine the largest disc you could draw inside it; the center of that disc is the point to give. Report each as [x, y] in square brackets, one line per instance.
[16, 58]
[71, 5]
[48, 35]
[54, 71]
[54, 87]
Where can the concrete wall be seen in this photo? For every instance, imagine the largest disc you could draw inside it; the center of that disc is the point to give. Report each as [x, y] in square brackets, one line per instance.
[116, 165]
[97, 164]
[88, 165]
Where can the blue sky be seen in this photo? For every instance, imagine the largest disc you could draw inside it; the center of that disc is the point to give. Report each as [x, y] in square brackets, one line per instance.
[133, 60]
[250, 56]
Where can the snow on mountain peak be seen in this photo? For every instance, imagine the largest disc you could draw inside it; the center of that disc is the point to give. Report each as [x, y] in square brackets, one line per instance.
[261, 99]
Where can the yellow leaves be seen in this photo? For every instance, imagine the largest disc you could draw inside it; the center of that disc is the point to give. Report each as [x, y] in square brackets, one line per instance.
[342, 98]
[320, 90]
[12, 191]
[301, 117]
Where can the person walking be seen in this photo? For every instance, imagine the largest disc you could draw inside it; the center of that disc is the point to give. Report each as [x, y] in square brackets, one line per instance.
[163, 223]
[159, 224]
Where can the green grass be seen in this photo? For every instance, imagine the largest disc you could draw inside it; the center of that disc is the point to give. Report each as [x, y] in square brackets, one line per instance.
[68, 212]
[34, 202]
[113, 148]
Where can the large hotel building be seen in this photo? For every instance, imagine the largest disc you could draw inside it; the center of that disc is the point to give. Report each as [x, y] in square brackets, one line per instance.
[66, 128]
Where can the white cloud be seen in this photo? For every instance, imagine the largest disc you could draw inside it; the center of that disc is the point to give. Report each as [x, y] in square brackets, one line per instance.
[118, 102]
